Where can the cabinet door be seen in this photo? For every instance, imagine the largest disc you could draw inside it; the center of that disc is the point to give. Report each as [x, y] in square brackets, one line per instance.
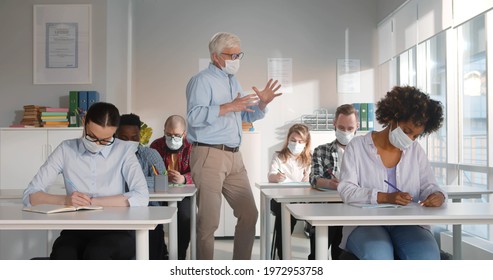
[22, 152]
[55, 137]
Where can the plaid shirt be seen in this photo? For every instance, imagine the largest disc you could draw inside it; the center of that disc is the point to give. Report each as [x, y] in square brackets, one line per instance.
[147, 158]
[183, 156]
[324, 160]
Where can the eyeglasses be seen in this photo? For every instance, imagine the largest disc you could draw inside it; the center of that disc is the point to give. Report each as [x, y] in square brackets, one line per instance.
[235, 56]
[173, 135]
[104, 142]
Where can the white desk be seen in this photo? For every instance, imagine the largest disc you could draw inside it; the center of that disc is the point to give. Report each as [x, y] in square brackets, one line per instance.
[172, 196]
[457, 193]
[140, 219]
[286, 196]
[323, 215]
[265, 217]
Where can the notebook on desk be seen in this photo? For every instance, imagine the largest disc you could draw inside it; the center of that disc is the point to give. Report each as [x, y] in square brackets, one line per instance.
[52, 208]
[381, 205]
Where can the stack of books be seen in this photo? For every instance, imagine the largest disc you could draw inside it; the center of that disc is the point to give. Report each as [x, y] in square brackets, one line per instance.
[32, 115]
[54, 117]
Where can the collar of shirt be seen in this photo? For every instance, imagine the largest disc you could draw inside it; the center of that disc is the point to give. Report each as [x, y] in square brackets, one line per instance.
[218, 71]
[104, 152]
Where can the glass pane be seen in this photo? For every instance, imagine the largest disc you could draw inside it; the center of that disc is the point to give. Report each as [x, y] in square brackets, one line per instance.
[406, 68]
[475, 179]
[472, 51]
[436, 86]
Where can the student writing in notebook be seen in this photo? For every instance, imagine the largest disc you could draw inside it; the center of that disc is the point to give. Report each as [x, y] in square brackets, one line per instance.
[175, 150]
[290, 164]
[151, 163]
[326, 166]
[95, 168]
[393, 155]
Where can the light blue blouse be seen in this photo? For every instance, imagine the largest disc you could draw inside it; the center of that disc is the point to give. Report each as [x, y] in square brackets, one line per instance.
[98, 175]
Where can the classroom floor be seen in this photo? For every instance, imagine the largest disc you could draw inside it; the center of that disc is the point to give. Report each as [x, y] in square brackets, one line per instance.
[300, 245]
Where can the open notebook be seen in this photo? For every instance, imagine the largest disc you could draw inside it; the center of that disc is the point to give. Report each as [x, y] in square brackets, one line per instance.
[381, 205]
[52, 208]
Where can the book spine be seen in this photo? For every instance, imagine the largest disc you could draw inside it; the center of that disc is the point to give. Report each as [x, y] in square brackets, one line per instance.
[92, 97]
[73, 105]
[371, 116]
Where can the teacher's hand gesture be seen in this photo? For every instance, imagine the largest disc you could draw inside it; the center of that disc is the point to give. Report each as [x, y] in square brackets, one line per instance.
[268, 93]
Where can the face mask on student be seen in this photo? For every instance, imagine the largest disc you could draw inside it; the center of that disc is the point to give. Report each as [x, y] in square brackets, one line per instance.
[231, 66]
[134, 145]
[295, 148]
[174, 143]
[92, 147]
[399, 139]
[344, 137]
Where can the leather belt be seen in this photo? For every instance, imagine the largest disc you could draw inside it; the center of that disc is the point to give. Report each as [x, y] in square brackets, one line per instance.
[218, 146]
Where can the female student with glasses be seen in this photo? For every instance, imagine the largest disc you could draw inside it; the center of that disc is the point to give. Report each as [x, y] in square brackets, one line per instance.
[95, 169]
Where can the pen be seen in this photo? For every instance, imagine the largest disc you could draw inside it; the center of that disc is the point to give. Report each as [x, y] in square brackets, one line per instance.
[392, 186]
[332, 174]
[279, 170]
[154, 169]
[397, 189]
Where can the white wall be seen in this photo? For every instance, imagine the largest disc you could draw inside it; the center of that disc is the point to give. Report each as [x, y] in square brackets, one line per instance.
[16, 56]
[146, 70]
[171, 36]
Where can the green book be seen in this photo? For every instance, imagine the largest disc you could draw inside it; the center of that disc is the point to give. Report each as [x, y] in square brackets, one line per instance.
[73, 105]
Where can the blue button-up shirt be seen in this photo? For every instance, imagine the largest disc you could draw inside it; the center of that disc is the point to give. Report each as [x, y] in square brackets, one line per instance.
[98, 175]
[206, 91]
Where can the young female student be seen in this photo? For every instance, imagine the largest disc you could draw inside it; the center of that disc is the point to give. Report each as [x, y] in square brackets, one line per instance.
[389, 166]
[291, 164]
[95, 169]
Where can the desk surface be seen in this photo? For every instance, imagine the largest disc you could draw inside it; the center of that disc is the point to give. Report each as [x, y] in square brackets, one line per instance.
[125, 218]
[344, 214]
[173, 193]
[267, 185]
[459, 191]
[301, 195]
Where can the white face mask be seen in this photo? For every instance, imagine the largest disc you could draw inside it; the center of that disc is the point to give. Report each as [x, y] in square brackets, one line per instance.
[135, 145]
[344, 137]
[295, 147]
[399, 139]
[92, 147]
[232, 66]
[174, 143]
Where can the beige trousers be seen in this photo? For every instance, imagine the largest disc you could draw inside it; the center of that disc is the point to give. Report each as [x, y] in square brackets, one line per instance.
[216, 172]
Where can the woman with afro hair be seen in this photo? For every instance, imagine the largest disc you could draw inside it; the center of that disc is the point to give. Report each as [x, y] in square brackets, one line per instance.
[389, 166]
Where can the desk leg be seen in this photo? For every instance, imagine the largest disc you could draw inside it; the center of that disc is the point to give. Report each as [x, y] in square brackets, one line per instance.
[457, 242]
[457, 238]
[173, 234]
[142, 244]
[286, 232]
[193, 228]
[263, 227]
[322, 241]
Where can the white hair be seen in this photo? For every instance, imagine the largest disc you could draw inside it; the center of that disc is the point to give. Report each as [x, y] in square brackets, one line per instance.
[222, 40]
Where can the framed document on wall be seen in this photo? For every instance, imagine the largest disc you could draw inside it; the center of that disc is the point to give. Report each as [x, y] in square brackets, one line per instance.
[62, 44]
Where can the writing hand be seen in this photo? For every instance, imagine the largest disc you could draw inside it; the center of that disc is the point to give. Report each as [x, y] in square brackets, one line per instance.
[434, 200]
[401, 198]
[78, 199]
[333, 183]
[268, 93]
[175, 177]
